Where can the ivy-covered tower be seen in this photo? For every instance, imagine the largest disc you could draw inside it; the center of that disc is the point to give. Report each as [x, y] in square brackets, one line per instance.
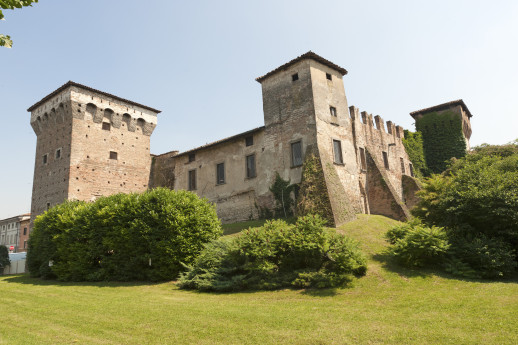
[446, 130]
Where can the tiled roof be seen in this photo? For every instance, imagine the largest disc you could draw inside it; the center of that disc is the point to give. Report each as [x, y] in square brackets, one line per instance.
[308, 55]
[71, 83]
[443, 106]
[221, 141]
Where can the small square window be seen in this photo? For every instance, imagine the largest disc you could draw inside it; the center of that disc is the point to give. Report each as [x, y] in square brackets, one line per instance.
[295, 77]
[220, 173]
[58, 153]
[113, 155]
[45, 157]
[249, 141]
[192, 157]
[328, 76]
[332, 110]
[106, 126]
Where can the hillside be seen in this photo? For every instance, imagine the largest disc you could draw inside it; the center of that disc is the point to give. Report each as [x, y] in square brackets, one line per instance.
[389, 306]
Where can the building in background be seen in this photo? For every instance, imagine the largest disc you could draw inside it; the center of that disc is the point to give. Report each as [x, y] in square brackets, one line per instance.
[14, 232]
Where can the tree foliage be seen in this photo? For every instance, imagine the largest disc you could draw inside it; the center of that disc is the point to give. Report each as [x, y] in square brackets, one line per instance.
[122, 237]
[277, 255]
[5, 40]
[476, 200]
[4, 258]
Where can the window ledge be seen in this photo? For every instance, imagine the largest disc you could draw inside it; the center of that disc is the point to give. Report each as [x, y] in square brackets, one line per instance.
[341, 164]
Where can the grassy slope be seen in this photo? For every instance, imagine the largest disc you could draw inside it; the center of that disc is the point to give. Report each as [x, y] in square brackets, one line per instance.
[388, 306]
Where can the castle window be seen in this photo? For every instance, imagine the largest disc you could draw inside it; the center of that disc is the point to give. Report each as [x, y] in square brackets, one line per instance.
[411, 169]
[337, 148]
[106, 126]
[385, 160]
[250, 166]
[328, 76]
[192, 180]
[48, 206]
[249, 141]
[363, 159]
[45, 157]
[295, 77]
[113, 155]
[296, 154]
[402, 165]
[24, 244]
[192, 157]
[58, 153]
[25, 231]
[220, 173]
[332, 110]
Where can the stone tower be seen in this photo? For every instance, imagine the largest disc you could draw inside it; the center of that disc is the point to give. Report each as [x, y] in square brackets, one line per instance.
[304, 102]
[89, 144]
[446, 130]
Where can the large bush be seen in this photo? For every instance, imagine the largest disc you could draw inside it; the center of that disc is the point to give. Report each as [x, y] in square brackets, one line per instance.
[460, 252]
[277, 255]
[418, 245]
[479, 191]
[135, 236]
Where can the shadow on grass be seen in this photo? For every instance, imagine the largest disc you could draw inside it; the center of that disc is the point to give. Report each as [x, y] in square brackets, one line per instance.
[390, 264]
[26, 279]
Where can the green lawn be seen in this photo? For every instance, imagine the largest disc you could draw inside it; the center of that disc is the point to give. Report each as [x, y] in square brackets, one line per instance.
[388, 306]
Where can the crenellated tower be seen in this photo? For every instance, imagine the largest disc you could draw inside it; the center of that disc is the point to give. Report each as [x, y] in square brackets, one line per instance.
[89, 144]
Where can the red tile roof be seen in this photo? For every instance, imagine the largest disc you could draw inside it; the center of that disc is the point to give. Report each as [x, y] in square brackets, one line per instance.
[443, 106]
[308, 55]
[71, 83]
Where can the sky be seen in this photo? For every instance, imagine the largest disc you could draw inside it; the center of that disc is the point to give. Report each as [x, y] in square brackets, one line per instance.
[197, 62]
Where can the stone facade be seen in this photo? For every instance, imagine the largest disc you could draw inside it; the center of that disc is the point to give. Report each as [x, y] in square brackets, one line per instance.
[304, 104]
[306, 112]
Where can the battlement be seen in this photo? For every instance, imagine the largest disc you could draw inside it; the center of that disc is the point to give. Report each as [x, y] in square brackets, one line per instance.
[377, 123]
[77, 101]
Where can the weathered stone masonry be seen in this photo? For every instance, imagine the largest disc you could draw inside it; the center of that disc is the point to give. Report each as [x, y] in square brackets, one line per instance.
[104, 149]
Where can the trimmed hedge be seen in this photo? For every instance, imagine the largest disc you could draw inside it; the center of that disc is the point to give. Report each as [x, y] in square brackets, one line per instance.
[277, 255]
[122, 237]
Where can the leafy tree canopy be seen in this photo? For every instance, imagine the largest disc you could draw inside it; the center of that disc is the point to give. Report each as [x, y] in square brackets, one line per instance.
[5, 40]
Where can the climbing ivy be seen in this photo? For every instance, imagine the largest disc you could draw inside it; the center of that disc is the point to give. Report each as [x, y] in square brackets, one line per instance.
[284, 203]
[442, 139]
[313, 197]
[413, 142]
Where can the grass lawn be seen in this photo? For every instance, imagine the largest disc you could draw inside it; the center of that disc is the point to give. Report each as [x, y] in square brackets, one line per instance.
[389, 306]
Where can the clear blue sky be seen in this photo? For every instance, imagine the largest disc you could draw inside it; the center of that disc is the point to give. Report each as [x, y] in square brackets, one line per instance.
[197, 61]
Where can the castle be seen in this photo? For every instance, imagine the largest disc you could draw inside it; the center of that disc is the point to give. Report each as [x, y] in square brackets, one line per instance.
[91, 143]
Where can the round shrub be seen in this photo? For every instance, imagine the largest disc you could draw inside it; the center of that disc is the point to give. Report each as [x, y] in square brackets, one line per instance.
[144, 236]
[421, 246]
[277, 255]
